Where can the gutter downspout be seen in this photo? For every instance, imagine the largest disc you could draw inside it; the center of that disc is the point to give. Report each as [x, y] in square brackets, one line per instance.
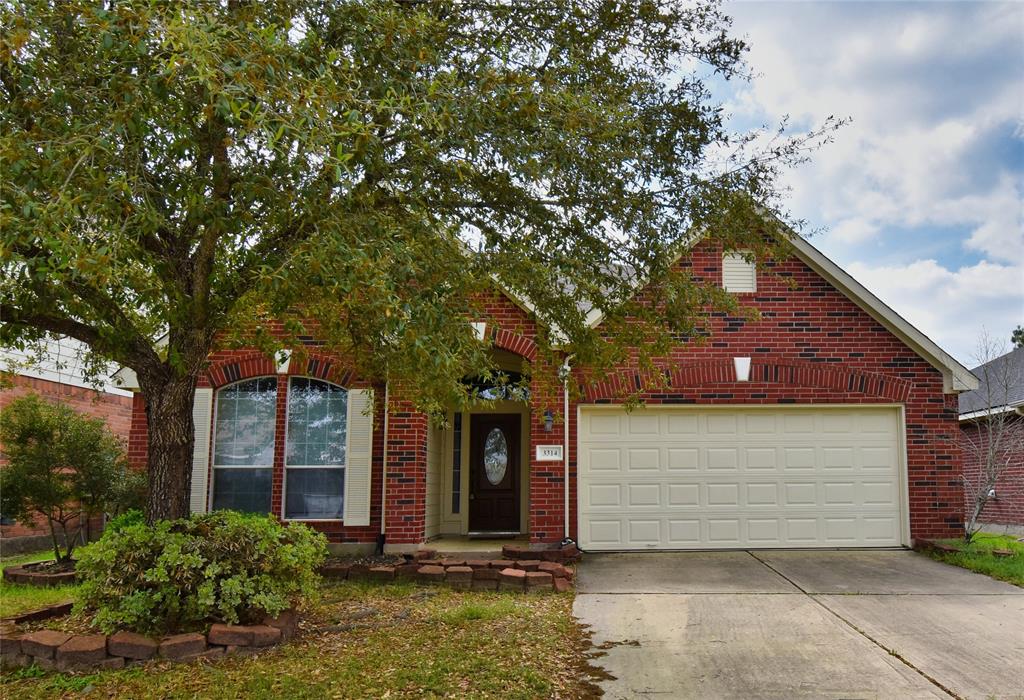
[382, 537]
[564, 372]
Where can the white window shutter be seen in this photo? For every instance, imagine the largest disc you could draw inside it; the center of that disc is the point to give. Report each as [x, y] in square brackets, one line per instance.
[738, 275]
[358, 457]
[202, 419]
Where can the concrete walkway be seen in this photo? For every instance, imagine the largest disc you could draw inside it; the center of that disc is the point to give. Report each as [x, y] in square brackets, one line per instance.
[811, 624]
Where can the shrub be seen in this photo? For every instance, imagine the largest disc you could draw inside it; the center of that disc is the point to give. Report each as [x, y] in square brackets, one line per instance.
[125, 519]
[181, 575]
[63, 466]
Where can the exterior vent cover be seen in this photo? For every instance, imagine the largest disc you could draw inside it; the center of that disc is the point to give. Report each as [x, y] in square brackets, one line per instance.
[738, 275]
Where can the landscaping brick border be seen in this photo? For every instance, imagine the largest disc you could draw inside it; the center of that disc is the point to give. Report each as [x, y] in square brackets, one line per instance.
[19, 574]
[59, 651]
[524, 575]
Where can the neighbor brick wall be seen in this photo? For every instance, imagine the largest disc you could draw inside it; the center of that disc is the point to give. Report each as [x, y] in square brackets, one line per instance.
[1008, 506]
[115, 409]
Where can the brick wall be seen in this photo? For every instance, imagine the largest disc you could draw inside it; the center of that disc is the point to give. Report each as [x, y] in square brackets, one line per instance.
[1008, 506]
[116, 410]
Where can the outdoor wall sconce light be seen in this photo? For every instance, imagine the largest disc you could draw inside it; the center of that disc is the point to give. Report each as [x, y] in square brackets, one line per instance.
[742, 368]
[549, 420]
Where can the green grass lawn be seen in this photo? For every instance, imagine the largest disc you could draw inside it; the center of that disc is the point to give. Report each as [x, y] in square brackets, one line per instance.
[978, 556]
[369, 641]
[17, 598]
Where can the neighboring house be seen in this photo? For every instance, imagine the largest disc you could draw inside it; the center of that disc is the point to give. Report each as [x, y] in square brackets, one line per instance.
[828, 422]
[1001, 394]
[57, 377]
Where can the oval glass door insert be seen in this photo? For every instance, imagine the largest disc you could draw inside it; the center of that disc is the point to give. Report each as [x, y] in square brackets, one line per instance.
[495, 456]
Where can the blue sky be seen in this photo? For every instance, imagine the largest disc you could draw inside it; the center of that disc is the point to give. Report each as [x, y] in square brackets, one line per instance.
[922, 196]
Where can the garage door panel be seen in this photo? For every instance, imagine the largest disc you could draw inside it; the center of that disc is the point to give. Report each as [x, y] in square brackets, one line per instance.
[719, 458]
[723, 532]
[766, 494]
[880, 529]
[764, 531]
[683, 533]
[643, 459]
[880, 493]
[877, 457]
[682, 424]
[683, 458]
[604, 495]
[643, 495]
[644, 532]
[643, 423]
[683, 495]
[761, 458]
[746, 477]
[799, 458]
[722, 495]
[604, 532]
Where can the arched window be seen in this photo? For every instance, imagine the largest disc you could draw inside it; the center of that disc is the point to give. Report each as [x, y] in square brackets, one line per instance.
[315, 450]
[243, 448]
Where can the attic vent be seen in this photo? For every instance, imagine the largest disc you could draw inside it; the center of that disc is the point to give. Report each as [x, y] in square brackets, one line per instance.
[738, 275]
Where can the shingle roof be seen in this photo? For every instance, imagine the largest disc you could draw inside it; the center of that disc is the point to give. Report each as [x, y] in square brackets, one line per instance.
[1002, 384]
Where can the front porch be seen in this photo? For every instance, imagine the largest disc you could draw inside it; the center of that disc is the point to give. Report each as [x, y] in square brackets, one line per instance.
[477, 475]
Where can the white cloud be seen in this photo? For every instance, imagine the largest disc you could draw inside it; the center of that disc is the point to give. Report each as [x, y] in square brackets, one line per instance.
[854, 230]
[924, 192]
[950, 306]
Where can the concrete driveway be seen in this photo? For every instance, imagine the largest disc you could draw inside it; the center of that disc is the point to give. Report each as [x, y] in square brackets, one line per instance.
[788, 624]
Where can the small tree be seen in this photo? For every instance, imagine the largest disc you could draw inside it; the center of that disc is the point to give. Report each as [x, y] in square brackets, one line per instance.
[1017, 337]
[995, 438]
[63, 466]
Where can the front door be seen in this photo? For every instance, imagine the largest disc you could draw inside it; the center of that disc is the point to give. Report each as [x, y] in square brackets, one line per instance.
[494, 472]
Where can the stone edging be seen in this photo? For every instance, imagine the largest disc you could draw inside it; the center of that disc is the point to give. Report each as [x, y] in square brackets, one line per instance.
[60, 651]
[951, 549]
[530, 575]
[19, 574]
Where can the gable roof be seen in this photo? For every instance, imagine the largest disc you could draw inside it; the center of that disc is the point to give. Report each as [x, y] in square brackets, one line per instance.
[956, 377]
[1001, 386]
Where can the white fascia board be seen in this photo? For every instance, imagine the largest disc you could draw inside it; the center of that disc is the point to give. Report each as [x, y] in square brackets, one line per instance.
[125, 378]
[994, 411]
[559, 339]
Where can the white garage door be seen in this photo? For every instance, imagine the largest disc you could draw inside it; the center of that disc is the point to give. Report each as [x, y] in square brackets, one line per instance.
[708, 478]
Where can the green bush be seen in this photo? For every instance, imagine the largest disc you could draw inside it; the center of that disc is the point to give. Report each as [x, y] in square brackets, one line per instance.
[181, 575]
[125, 519]
[63, 466]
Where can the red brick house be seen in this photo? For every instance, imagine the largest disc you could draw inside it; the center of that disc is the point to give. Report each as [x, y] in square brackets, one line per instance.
[997, 406]
[828, 422]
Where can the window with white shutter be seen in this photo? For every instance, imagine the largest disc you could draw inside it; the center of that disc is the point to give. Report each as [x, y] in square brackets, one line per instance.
[358, 449]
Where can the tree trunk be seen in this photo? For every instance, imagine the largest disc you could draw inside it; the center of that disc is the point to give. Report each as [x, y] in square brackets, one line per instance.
[171, 436]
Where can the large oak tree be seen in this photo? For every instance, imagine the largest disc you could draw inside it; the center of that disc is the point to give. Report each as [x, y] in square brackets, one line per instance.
[175, 173]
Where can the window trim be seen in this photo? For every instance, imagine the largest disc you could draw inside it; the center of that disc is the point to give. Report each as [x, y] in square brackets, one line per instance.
[213, 443]
[284, 454]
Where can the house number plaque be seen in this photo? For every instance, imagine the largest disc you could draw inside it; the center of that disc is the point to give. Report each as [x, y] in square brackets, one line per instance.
[549, 453]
